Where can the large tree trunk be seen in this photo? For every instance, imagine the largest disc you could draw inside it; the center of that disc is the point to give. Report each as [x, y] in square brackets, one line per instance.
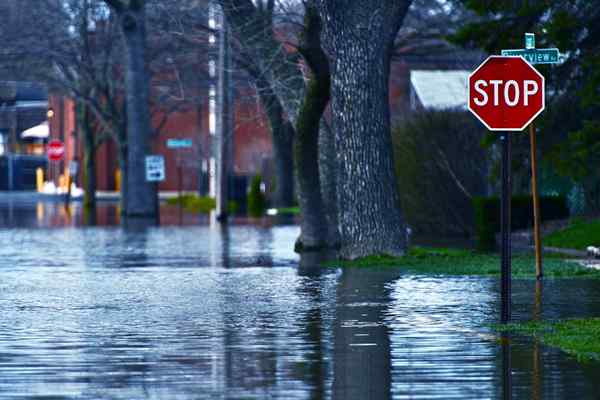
[89, 157]
[141, 195]
[327, 175]
[358, 38]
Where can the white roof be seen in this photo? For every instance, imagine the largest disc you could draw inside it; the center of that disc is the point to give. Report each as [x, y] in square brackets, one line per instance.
[440, 89]
[41, 131]
[32, 104]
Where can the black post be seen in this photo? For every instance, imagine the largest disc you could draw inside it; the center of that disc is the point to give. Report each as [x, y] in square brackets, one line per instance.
[505, 227]
[506, 367]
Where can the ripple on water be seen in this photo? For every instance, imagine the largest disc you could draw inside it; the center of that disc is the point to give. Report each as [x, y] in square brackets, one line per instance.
[198, 312]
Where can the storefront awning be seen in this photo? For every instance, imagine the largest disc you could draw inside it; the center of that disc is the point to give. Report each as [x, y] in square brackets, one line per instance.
[41, 131]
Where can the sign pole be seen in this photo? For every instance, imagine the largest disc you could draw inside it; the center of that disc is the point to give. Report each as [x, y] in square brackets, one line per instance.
[536, 204]
[505, 280]
[180, 190]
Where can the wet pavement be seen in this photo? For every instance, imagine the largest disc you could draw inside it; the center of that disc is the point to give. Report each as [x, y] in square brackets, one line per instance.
[198, 311]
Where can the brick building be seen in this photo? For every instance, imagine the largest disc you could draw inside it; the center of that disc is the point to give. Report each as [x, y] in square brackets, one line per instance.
[252, 144]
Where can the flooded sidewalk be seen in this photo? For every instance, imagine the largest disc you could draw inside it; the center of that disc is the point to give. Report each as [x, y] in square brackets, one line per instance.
[198, 311]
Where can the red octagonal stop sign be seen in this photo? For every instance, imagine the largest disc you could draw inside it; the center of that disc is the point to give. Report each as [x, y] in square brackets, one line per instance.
[56, 150]
[506, 93]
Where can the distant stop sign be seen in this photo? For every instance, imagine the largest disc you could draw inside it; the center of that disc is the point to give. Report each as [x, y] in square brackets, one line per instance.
[56, 150]
[506, 93]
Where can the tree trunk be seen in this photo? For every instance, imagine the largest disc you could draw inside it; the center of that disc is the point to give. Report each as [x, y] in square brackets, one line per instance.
[283, 154]
[89, 157]
[358, 38]
[282, 135]
[327, 175]
[314, 224]
[123, 161]
[141, 195]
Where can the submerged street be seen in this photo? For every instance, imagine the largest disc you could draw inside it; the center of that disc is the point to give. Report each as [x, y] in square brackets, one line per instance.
[191, 312]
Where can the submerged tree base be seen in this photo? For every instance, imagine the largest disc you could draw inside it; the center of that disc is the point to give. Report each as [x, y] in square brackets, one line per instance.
[577, 337]
[445, 261]
[300, 247]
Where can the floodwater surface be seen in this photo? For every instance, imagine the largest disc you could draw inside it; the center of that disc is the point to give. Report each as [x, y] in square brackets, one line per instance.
[203, 312]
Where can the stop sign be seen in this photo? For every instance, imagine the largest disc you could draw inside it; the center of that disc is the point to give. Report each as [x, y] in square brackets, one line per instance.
[506, 93]
[56, 150]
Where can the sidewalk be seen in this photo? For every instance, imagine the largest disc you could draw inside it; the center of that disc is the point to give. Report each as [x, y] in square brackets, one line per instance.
[28, 196]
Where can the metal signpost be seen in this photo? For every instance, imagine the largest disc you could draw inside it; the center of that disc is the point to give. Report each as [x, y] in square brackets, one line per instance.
[179, 144]
[506, 94]
[535, 56]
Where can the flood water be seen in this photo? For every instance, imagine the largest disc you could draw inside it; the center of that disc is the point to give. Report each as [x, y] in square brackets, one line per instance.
[202, 312]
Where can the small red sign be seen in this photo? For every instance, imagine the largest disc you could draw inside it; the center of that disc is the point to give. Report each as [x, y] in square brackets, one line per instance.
[506, 93]
[56, 150]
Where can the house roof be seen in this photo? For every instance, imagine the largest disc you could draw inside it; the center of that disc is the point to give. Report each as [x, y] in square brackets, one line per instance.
[440, 90]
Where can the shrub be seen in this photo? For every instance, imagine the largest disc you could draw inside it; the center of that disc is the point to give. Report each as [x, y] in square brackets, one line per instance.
[436, 179]
[487, 215]
[257, 203]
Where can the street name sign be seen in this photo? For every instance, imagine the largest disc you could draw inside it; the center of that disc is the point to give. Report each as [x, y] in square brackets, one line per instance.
[155, 168]
[56, 150]
[179, 143]
[535, 56]
[506, 93]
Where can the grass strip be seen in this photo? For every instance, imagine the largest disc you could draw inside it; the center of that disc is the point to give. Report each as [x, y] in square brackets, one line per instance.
[577, 337]
[445, 261]
[578, 235]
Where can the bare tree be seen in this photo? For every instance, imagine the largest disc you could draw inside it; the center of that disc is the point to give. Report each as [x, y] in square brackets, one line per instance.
[276, 43]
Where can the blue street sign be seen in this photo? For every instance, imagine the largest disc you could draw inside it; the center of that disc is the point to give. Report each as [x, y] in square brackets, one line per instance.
[179, 143]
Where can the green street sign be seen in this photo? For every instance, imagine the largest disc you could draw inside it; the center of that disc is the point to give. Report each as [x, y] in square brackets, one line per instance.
[535, 56]
[179, 143]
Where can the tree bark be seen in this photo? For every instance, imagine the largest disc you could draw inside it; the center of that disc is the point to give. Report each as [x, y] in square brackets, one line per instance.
[358, 37]
[314, 224]
[327, 175]
[283, 154]
[89, 157]
[141, 196]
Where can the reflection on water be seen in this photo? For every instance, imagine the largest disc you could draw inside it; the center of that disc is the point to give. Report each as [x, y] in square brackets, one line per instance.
[205, 311]
[23, 211]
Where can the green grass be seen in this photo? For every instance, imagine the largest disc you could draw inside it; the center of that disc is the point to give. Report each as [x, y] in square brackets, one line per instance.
[578, 337]
[578, 236]
[443, 261]
[288, 211]
[193, 203]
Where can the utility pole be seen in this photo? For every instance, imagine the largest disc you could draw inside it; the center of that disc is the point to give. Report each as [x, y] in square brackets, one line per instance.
[224, 137]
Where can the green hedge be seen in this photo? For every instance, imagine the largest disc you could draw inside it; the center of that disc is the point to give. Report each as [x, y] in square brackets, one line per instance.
[487, 215]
